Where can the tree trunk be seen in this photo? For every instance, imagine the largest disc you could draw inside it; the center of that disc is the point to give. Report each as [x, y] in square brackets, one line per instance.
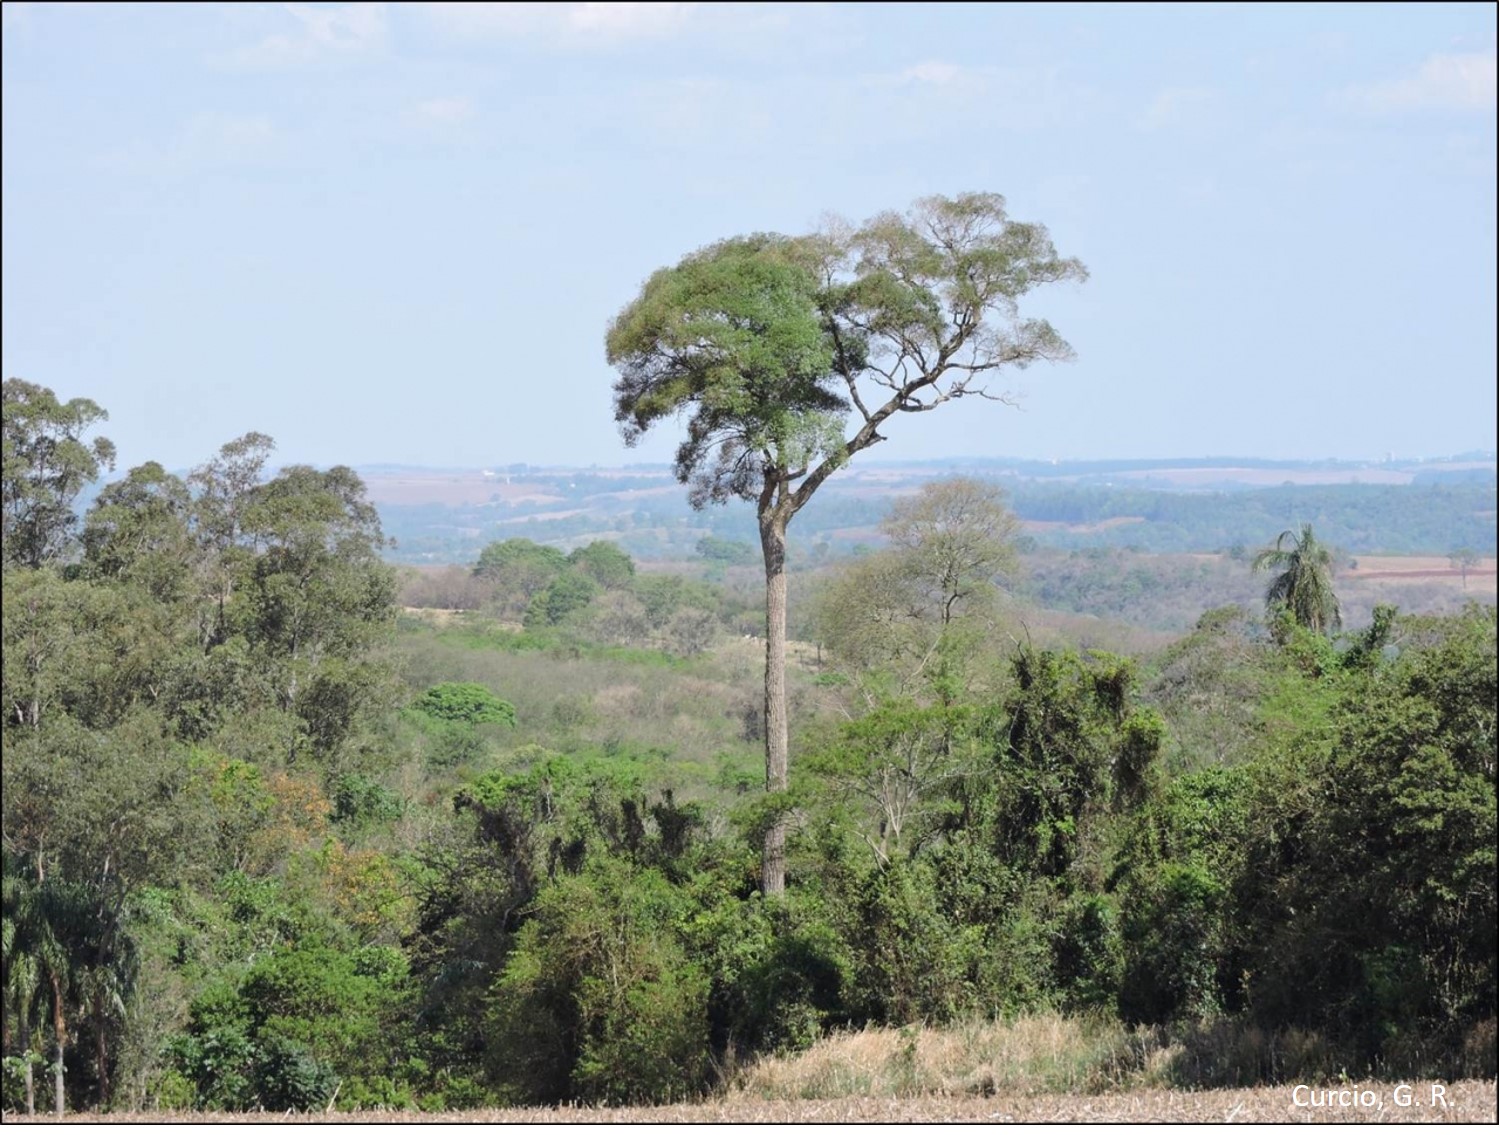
[59, 1033]
[27, 1073]
[777, 745]
[101, 1051]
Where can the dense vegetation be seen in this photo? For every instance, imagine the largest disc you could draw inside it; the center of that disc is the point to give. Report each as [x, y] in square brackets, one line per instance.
[269, 843]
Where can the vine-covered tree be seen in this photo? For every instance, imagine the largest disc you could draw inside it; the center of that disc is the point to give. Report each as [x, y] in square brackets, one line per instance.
[789, 355]
[1302, 583]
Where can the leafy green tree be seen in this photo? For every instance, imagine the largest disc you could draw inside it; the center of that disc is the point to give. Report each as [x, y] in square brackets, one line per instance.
[899, 612]
[139, 531]
[454, 712]
[725, 551]
[46, 463]
[224, 489]
[1211, 685]
[897, 764]
[569, 592]
[316, 600]
[955, 537]
[518, 569]
[1302, 582]
[770, 344]
[605, 563]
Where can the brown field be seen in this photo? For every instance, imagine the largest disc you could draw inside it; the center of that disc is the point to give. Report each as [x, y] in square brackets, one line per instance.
[1415, 567]
[1469, 1101]
[451, 489]
[1064, 526]
[1267, 478]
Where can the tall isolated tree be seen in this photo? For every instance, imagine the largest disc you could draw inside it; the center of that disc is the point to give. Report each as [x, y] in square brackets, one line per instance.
[46, 464]
[1303, 580]
[1464, 560]
[788, 355]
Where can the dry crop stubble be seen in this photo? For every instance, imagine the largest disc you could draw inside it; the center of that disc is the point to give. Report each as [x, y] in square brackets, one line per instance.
[1471, 1101]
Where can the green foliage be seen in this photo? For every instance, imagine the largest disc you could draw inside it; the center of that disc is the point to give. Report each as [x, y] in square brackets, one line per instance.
[1172, 968]
[732, 334]
[780, 974]
[139, 531]
[895, 765]
[599, 1000]
[299, 1020]
[520, 563]
[358, 800]
[568, 593]
[725, 551]
[465, 702]
[1398, 832]
[517, 570]
[908, 966]
[605, 563]
[46, 463]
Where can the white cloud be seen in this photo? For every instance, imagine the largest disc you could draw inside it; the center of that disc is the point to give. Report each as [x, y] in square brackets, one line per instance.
[206, 140]
[445, 111]
[1444, 82]
[629, 20]
[574, 23]
[932, 71]
[1176, 106]
[215, 137]
[1001, 97]
[317, 34]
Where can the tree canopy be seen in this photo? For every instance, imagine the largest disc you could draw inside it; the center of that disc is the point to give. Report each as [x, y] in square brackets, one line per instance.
[770, 344]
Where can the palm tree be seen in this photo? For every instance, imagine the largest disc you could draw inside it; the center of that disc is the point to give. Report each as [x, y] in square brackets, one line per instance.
[21, 981]
[1303, 580]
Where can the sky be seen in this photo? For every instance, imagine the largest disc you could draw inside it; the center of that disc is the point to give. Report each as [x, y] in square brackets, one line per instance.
[397, 234]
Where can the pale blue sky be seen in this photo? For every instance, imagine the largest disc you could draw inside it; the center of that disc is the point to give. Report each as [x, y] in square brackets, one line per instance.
[388, 233]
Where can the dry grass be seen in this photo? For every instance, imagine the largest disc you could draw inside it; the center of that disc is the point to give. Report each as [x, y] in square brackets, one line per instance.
[1042, 1054]
[1470, 1101]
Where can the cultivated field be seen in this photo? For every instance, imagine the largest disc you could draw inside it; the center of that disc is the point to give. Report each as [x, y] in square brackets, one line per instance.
[1470, 1101]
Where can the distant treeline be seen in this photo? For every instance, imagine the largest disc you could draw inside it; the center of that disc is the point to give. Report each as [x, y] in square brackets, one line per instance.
[1417, 519]
[1363, 519]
